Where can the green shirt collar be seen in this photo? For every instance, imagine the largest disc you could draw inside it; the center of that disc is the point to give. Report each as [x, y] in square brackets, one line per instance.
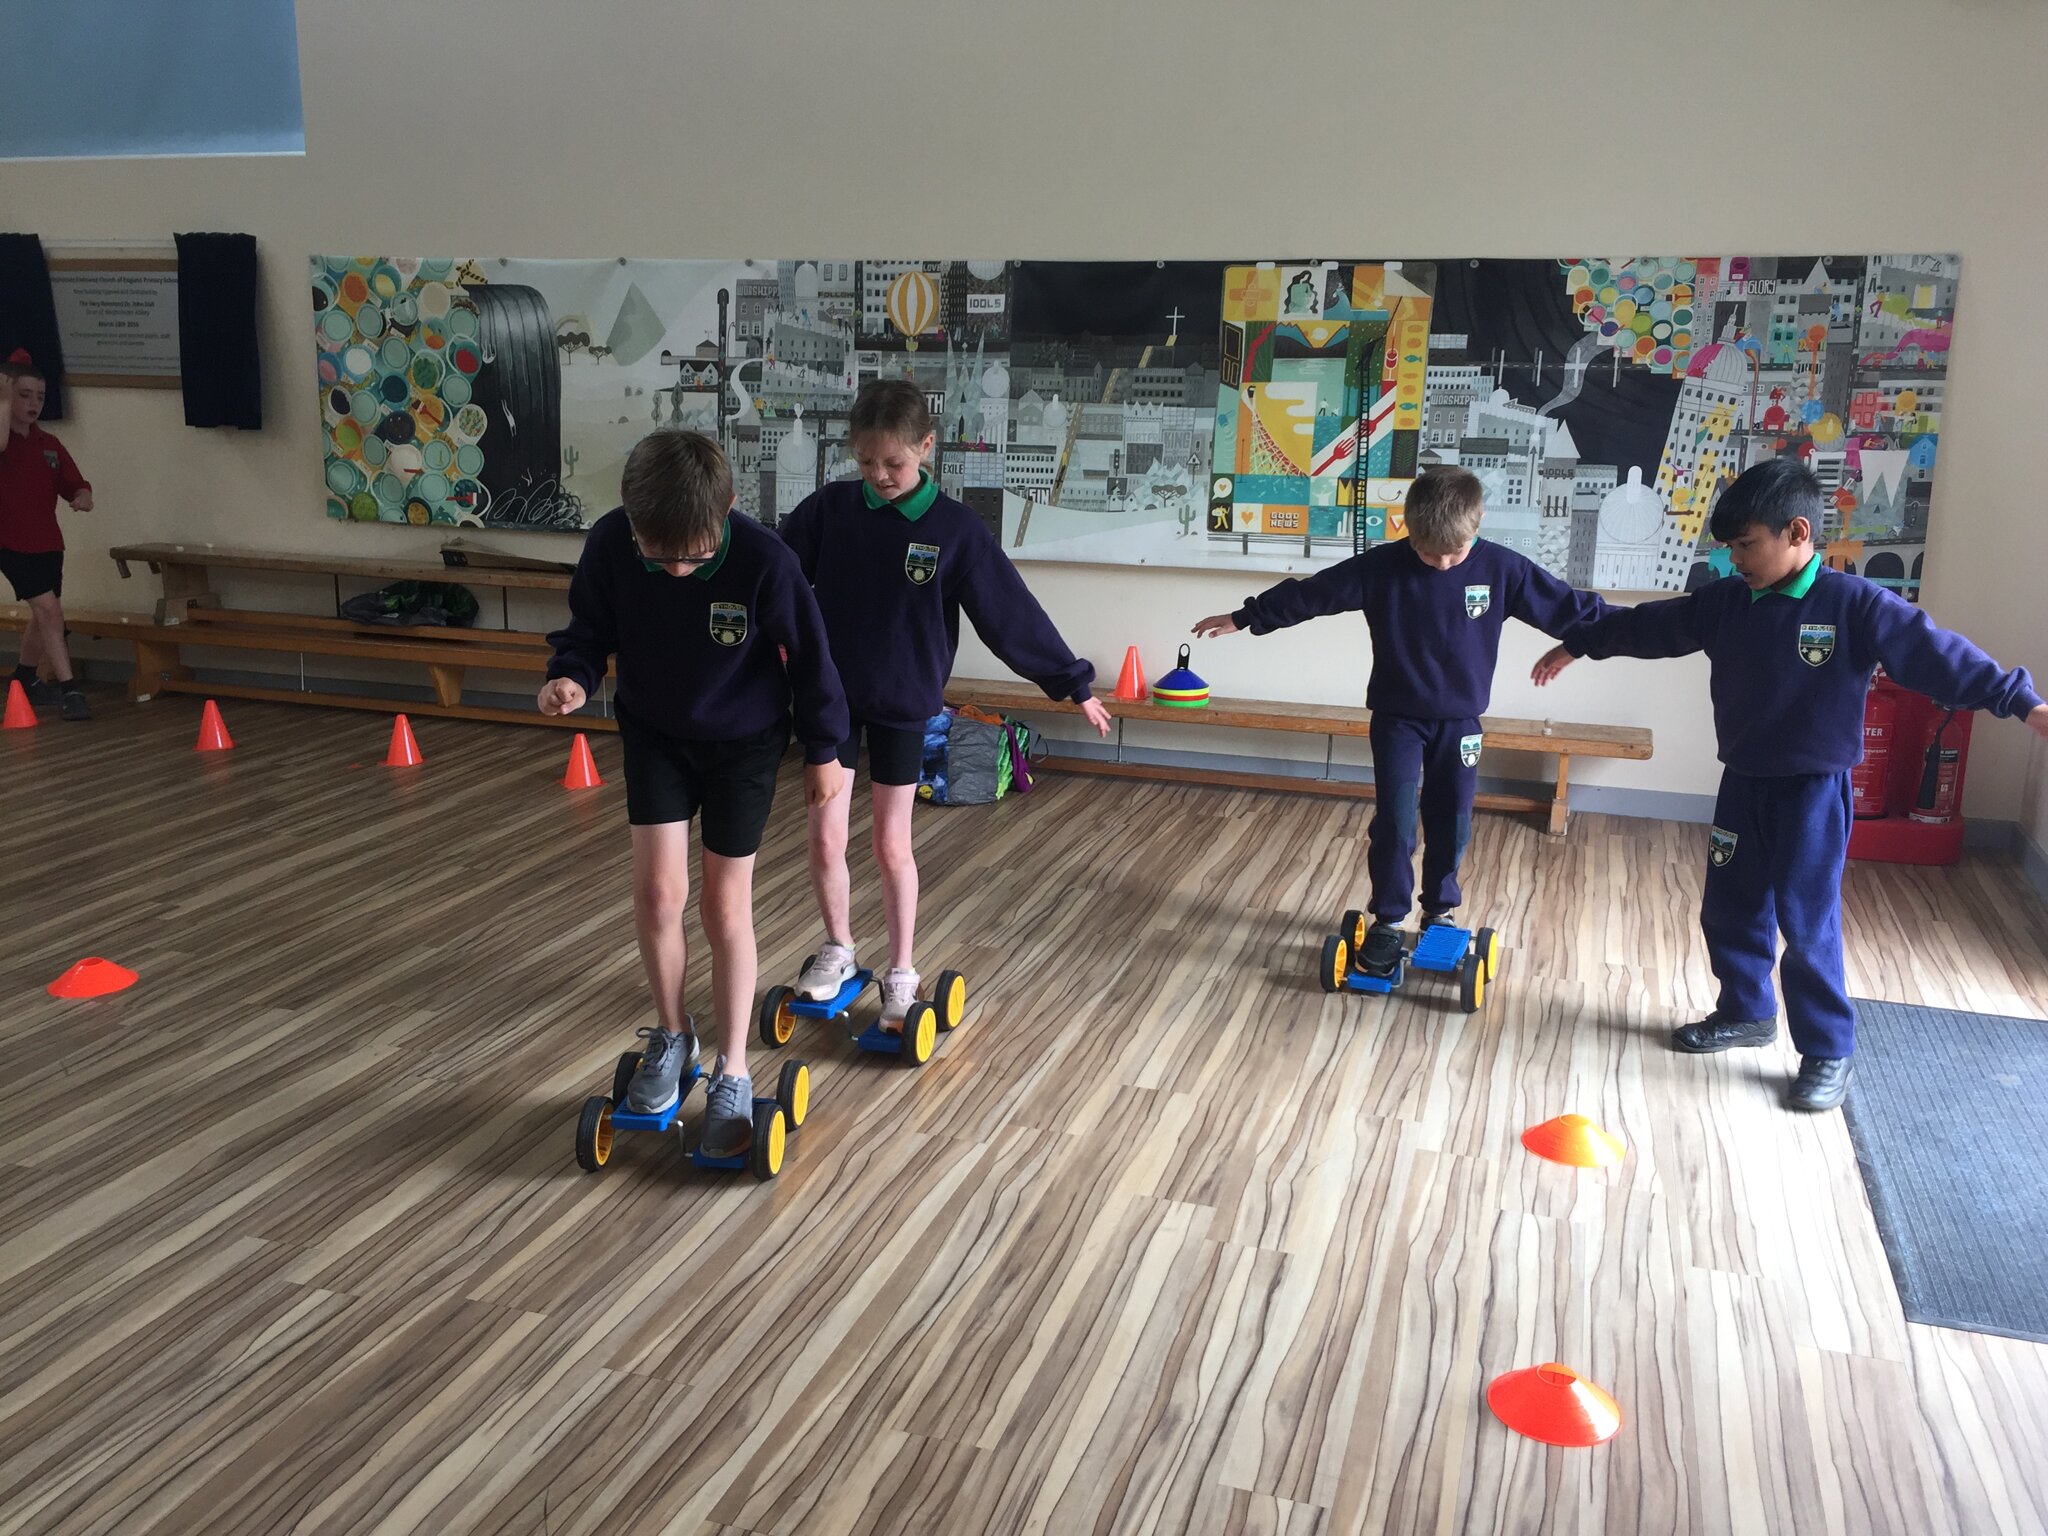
[913, 506]
[709, 569]
[1797, 587]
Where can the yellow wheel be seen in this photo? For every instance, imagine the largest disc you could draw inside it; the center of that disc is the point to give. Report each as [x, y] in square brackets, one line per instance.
[1486, 943]
[793, 1092]
[771, 1140]
[1336, 962]
[778, 1020]
[1353, 927]
[594, 1134]
[950, 998]
[920, 1033]
[1472, 982]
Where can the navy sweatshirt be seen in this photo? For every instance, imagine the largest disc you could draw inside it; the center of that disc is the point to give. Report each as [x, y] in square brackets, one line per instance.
[1435, 634]
[892, 588]
[698, 654]
[1789, 674]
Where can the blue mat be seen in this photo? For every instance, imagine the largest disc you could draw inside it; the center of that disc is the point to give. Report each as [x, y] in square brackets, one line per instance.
[1949, 1114]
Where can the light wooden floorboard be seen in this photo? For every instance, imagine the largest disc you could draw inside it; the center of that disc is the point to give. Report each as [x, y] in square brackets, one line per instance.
[1163, 1241]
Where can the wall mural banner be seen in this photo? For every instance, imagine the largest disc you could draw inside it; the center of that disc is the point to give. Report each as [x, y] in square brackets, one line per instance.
[1256, 415]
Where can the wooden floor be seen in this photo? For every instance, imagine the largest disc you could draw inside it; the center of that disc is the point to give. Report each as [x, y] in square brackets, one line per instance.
[1164, 1240]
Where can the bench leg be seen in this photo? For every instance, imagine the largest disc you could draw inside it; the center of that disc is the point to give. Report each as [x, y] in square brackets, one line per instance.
[155, 660]
[184, 586]
[1560, 802]
[447, 682]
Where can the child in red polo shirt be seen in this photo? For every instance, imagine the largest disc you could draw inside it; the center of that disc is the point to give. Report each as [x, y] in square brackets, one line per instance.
[34, 471]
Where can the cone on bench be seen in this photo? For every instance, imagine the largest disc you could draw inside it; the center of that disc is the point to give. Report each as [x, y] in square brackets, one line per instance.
[582, 772]
[21, 714]
[1130, 683]
[405, 752]
[213, 731]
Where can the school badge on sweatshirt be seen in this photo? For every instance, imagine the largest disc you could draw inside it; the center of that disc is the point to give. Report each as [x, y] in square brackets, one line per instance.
[728, 623]
[1468, 750]
[1816, 643]
[1720, 847]
[921, 563]
[1477, 601]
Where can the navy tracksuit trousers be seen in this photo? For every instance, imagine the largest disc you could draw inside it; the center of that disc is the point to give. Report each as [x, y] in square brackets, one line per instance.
[1424, 774]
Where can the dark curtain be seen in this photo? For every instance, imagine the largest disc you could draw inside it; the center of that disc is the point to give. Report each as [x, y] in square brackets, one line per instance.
[28, 315]
[217, 355]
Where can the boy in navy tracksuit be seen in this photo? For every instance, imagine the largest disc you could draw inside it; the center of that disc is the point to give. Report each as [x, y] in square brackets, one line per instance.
[1434, 603]
[894, 561]
[695, 601]
[1792, 645]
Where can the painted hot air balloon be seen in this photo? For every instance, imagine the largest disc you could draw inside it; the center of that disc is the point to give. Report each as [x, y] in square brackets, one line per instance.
[913, 305]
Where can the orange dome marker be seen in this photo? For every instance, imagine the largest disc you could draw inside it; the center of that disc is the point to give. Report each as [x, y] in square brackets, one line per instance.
[92, 977]
[21, 715]
[582, 772]
[405, 752]
[1130, 683]
[1554, 1404]
[213, 731]
[1574, 1141]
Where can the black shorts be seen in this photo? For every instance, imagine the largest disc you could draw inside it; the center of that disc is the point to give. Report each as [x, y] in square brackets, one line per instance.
[33, 575]
[895, 756]
[732, 782]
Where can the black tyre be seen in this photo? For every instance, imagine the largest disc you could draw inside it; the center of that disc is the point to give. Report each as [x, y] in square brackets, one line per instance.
[793, 1092]
[1354, 926]
[778, 1023]
[771, 1141]
[1486, 944]
[594, 1134]
[920, 1033]
[1336, 963]
[1472, 982]
[950, 998]
[622, 1075]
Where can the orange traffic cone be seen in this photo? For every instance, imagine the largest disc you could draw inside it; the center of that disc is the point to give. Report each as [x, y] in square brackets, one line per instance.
[213, 731]
[92, 977]
[1130, 683]
[20, 714]
[1574, 1141]
[582, 772]
[1554, 1404]
[405, 752]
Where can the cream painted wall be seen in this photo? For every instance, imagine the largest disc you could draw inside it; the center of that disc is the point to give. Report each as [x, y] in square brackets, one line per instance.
[1074, 129]
[2034, 800]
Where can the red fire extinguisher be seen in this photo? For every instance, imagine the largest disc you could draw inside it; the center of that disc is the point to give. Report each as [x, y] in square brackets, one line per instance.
[1940, 774]
[1869, 780]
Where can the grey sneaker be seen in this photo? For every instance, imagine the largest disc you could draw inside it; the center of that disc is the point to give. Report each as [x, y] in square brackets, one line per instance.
[899, 991]
[728, 1117]
[663, 1061]
[74, 706]
[826, 974]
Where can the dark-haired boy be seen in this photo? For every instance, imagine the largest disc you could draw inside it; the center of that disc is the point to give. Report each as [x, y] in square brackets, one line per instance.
[1792, 645]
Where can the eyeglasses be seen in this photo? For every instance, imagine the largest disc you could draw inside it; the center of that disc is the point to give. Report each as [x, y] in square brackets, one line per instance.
[664, 562]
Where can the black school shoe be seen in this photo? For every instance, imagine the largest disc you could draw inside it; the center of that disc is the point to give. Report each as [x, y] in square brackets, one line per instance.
[74, 705]
[1822, 1083]
[1715, 1034]
[1383, 949]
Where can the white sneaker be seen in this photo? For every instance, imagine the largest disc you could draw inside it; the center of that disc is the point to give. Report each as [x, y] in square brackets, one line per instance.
[824, 976]
[899, 991]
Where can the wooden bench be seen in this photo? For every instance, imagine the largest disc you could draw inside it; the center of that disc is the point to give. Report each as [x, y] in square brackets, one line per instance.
[1562, 741]
[186, 571]
[190, 613]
